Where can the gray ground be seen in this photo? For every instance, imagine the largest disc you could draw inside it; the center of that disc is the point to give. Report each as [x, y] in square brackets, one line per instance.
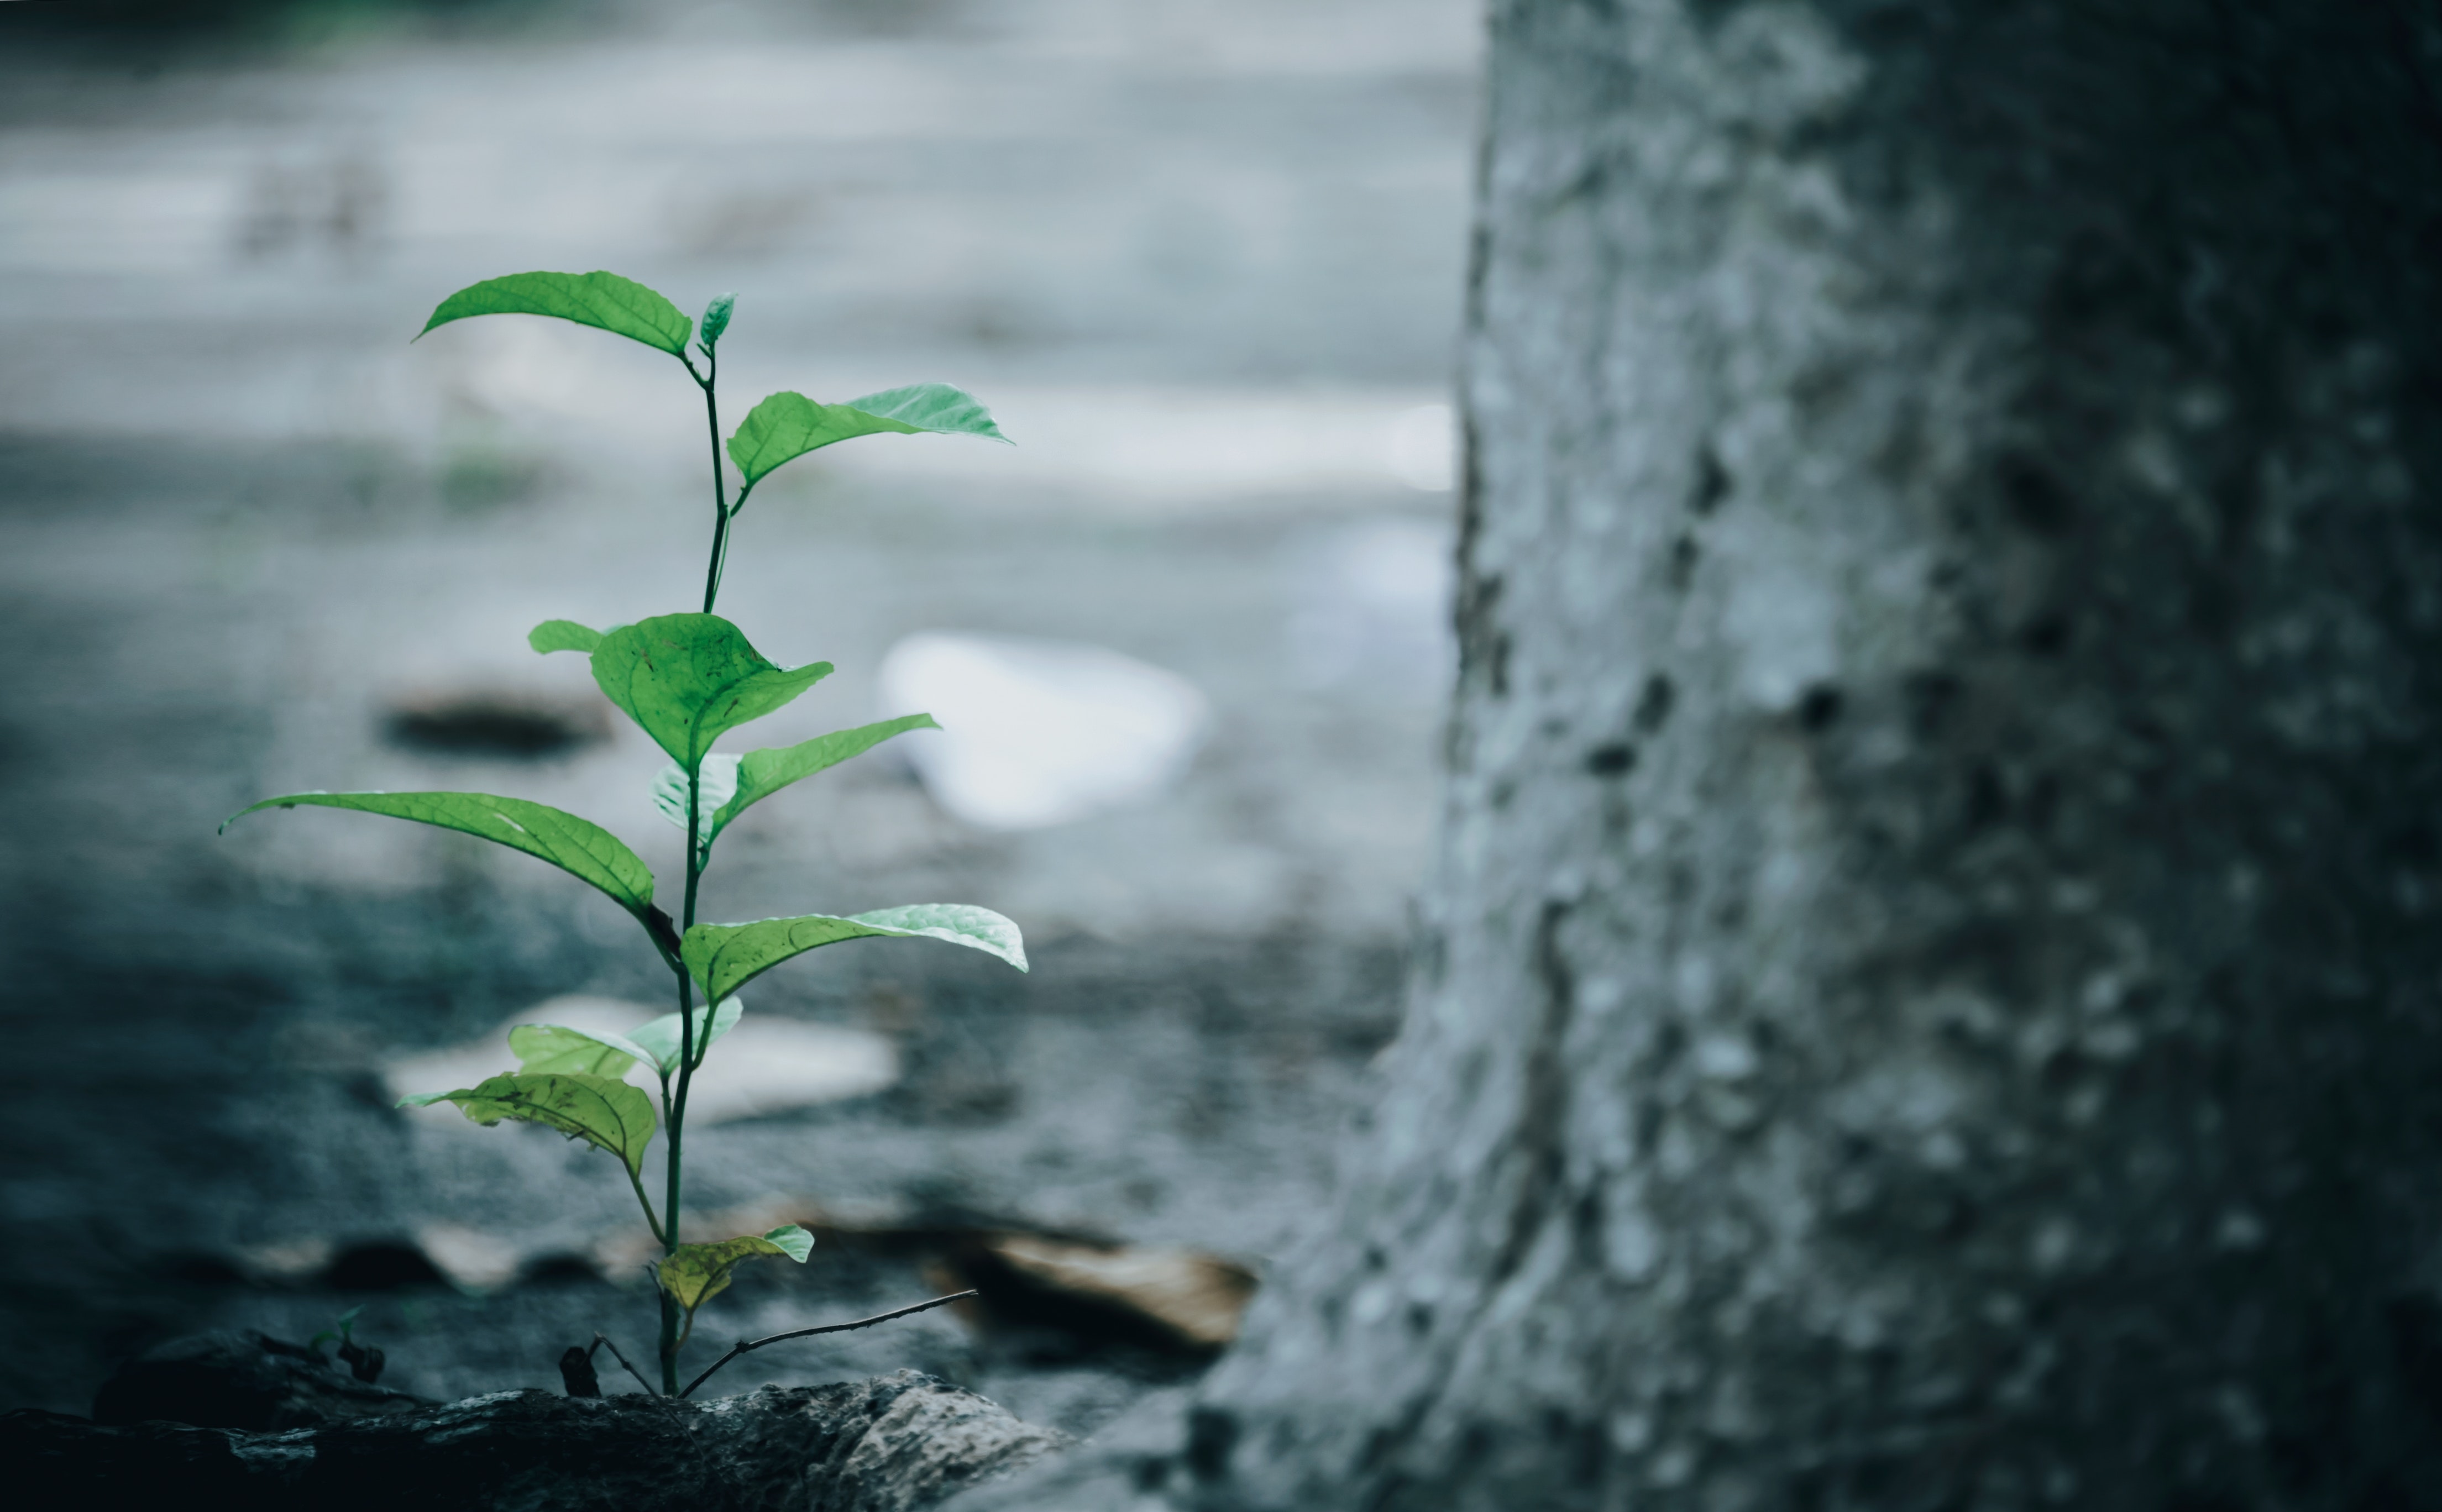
[1202, 259]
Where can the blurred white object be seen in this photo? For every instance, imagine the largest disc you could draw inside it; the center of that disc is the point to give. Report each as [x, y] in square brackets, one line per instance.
[1037, 733]
[763, 1066]
[1421, 449]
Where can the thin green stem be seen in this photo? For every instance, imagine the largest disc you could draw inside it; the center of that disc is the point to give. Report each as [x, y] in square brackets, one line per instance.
[646, 1203]
[707, 380]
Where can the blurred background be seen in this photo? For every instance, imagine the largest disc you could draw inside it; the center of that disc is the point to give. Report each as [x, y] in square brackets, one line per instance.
[1203, 258]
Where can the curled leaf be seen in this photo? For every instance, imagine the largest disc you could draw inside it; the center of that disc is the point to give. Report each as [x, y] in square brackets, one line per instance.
[716, 319]
[716, 781]
[659, 1039]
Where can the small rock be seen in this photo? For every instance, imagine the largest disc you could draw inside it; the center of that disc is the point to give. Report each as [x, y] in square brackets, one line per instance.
[241, 1380]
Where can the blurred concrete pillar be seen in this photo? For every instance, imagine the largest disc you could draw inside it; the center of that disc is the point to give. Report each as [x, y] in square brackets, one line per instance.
[1928, 999]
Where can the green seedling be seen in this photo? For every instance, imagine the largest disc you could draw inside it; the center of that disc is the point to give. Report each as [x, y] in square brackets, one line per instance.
[363, 1360]
[687, 680]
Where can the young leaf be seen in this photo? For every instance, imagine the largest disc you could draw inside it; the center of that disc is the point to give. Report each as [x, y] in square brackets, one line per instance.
[694, 1274]
[760, 773]
[716, 319]
[787, 425]
[688, 678]
[563, 635]
[660, 1039]
[609, 1115]
[584, 850]
[725, 957]
[605, 300]
[545, 1050]
[716, 781]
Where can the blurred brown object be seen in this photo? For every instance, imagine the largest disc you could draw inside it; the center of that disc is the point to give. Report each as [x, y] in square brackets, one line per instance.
[1182, 1296]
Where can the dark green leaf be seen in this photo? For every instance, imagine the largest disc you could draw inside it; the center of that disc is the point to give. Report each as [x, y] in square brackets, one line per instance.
[761, 773]
[563, 635]
[789, 425]
[688, 678]
[607, 1114]
[548, 1049]
[659, 1039]
[694, 1274]
[602, 300]
[583, 849]
[725, 957]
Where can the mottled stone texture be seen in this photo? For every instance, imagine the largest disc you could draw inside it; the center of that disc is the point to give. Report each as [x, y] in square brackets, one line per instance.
[1928, 998]
[894, 1444]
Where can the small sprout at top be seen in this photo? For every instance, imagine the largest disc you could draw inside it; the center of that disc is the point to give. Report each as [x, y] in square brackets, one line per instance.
[716, 320]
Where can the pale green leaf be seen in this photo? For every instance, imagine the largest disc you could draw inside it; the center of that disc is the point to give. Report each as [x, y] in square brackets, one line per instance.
[688, 678]
[694, 1274]
[761, 773]
[717, 779]
[581, 848]
[605, 300]
[659, 1039]
[787, 425]
[545, 1049]
[563, 635]
[726, 956]
[608, 1113]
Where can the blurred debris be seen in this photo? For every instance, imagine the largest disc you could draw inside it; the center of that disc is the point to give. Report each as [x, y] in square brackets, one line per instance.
[1178, 1298]
[763, 1067]
[495, 724]
[242, 1381]
[1037, 733]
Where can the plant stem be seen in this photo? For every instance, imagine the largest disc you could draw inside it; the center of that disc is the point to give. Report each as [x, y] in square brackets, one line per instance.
[720, 511]
[673, 1336]
[747, 1346]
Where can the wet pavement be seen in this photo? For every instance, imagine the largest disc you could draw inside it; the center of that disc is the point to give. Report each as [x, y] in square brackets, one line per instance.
[1202, 260]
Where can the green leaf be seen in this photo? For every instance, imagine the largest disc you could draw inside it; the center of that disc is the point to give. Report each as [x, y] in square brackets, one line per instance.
[659, 1039]
[607, 1114]
[725, 957]
[563, 635]
[690, 678]
[716, 319]
[602, 300]
[787, 425]
[583, 849]
[694, 1274]
[760, 773]
[548, 1049]
[717, 779]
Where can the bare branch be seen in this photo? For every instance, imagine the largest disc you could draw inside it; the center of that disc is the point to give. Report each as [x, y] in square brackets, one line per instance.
[744, 1347]
[599, 1340]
